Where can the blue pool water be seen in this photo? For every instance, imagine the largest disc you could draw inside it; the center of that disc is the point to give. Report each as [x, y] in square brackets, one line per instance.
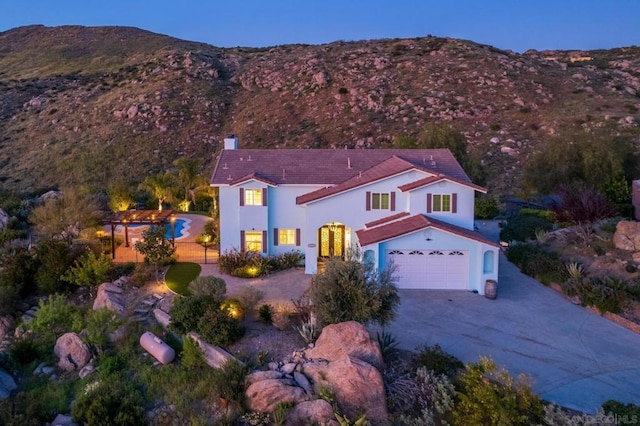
[180, 229]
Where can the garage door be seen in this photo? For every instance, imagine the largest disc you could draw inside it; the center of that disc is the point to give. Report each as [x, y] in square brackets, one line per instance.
[431, 269]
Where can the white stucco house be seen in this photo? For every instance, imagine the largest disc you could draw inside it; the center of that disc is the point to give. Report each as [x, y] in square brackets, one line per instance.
[414, 207]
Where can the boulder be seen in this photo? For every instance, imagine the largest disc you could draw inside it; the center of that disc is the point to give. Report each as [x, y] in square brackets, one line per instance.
[265, 395]
[4, 219]
[214, 356]
[112, 300]
[627, 236]
[6, 327]
[346, 339]
[72, 351]
[317, 412]
[7, 384]
[258, 376]
[162, 317]
[356, 384]
[63, 420]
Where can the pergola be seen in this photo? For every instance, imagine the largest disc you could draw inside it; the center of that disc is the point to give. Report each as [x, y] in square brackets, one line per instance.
[139, 217]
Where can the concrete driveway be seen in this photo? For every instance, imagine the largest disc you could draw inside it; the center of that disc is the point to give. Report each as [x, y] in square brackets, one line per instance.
[573, 357]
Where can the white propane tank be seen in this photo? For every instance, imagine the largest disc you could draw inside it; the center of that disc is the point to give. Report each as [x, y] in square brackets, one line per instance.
[157, 348]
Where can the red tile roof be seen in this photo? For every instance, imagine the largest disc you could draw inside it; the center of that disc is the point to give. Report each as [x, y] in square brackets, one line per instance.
[326, 167]
[412, 224]
[386, 219]
[252, 176]
[433, 179]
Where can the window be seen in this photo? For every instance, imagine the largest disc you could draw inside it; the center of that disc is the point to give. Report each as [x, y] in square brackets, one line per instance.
[380, 201]
[253, 241]
[287, 236]
[442, 203]
[253, 197]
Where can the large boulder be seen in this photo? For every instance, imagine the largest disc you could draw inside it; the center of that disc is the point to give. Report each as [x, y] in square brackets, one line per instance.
[72, 351]
[7, 384]
[627, 236]
[109, 296]
[6, 327]
[356, 384]
[214, 356]
[316, 412]
[346, 339]
[162, 317]
[263, 396]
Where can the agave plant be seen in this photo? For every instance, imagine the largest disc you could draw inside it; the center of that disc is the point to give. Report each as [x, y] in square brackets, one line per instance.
[575, 270]
[541, 236]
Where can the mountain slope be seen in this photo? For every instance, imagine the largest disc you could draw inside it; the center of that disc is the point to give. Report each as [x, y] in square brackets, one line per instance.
[82, 105]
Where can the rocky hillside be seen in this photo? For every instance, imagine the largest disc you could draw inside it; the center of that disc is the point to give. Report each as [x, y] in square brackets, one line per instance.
[83, 105]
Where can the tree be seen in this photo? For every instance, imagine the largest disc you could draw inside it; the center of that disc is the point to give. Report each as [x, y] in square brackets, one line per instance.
[189, 178]
[155, 247]
[582, 207]
[159, 185]
[54, 258]
[349, 290]
[66, 216]
[120, 196]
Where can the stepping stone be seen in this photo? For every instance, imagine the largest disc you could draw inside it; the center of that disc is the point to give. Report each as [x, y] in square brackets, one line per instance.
[141, 310]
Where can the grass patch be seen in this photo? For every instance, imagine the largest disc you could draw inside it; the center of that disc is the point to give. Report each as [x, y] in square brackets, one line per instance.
[180, 275]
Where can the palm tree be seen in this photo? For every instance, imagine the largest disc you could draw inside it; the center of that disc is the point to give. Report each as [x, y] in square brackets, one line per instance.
[189, 178]
[160, 186]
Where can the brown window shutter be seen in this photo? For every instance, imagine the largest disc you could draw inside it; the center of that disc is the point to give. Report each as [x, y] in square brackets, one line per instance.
[428, 203]
[242, 247]
[454, 203]
[297, 236]
[392, 202]
[264, 241]
[368, 200]
[276, 240]
[242, 196]
[264, 197]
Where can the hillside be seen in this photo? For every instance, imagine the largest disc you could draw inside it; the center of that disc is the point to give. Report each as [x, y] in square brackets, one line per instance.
[81, 105]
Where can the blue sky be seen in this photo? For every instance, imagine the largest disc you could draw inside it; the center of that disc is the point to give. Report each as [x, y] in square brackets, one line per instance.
[508, 24]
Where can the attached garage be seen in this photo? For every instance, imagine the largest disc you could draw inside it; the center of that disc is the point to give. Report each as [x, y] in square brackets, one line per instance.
[431, 269]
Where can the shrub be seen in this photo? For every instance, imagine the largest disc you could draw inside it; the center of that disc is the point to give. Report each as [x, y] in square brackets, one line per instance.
[433, 358]
[228, 382]
[187, 312]
[219, 328]
[54, 258]
[629, 412]
[535, 261]
[99, 324]
[606, 294]
[120, 269]
[27, 349]
[524, 226]
[250, 264]
[54, 317]
[348, 290]
[37, 405]
[111, 400]
[89, 270]
[388, 344]
[142, 274]
[434, 396]
[265, 313]
[250, 296]
[488, 395]
[214, 287]
[191, 356]
[486, 208]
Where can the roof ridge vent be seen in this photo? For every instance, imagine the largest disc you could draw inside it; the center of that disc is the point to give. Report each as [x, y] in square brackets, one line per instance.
[348, 162]
[229, 177]
[249, 158]
[225, 167]
[284, 174]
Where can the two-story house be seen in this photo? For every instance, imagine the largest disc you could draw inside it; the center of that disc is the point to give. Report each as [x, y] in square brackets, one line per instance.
[412, 207]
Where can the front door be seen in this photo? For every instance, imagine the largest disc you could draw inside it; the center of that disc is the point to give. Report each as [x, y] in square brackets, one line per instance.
[331, 240]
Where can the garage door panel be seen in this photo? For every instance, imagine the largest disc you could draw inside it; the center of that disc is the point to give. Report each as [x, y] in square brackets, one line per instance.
[431, 269]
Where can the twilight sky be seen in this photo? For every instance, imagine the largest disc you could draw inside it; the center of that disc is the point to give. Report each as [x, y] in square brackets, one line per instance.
[508, 24]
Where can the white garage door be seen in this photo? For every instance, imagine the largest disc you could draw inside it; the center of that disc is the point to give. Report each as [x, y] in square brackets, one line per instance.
[431, 269]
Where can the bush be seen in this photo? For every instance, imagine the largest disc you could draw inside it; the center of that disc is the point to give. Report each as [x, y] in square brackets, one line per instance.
[112, 400]
[54, 259]
[99, 325]
[250, 264]
[142, 274]
[228, 383]
[490, 396]
[265, 313]
[187, 312]
[120, 269]
[89, 270]
[629, 412]
[39, 404]
[434, 396]
[433, 358]
[219, 328]
[27, 349]
[486, 208]
[535, 261]
[191, 356]
[249, 297]
[214, 287]
[55, 317]
[524, 226]
[347, 290]
[606, 294]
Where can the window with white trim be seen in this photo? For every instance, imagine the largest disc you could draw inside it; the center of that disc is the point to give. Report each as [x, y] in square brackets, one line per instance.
[253, 197]
[253, 241]
[287, 236]
[441, 202]
[380, 200]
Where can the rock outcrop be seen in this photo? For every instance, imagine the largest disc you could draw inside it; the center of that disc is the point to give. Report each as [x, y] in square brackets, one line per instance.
[4, 219]
[72, 352]
[214, 356]
[110, 296]
[627, 236]
[344, 361]
[7, 384]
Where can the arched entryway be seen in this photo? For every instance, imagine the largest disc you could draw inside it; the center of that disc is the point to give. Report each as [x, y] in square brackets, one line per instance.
[332, 240]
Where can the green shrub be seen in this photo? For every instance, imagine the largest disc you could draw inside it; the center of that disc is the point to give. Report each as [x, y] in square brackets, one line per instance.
[228, 382]
[112, 400]
[388, 344]
[27, 349]
[99, 325]
[535, 261]
[187, 312]
[434, 397]
[219, 328]
[629, 412]
[120, 269]
[433, 358]
[249, 297]
[191, 356]
[524, 226]
[38, 404]
[214, 287]
[54, 317]
[250, 264]
[606, 294]
[143, 274]
[347, 290]
[490, 396]
[89, 270]
[54, 259]
[265, 313]
[486, 208]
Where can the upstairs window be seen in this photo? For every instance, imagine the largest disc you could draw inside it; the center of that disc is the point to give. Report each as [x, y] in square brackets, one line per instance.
[381, 201]
[253, 197]
[441, 202]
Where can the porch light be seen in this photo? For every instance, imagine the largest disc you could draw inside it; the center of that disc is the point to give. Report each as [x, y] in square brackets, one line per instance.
[332, 226]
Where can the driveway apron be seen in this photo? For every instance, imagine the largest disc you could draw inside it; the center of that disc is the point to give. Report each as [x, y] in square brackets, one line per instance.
[573, 357]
